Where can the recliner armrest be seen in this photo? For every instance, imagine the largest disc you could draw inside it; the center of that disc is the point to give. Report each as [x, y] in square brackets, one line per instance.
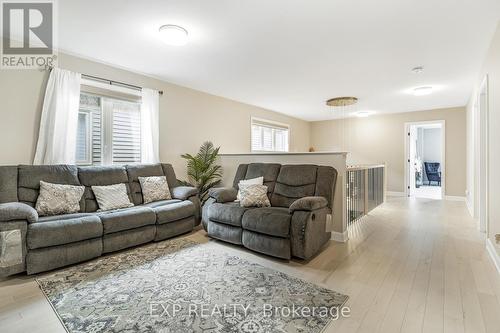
[308, 204]
[183, 192]
[12, 211]
[223, 194]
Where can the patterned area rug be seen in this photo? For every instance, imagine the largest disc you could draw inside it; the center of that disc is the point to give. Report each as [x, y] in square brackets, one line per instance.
[182, 286]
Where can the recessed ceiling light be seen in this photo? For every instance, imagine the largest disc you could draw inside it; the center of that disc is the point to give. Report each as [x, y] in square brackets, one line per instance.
[418, 69]
[422, 91]
[174, 35]
[364, 114]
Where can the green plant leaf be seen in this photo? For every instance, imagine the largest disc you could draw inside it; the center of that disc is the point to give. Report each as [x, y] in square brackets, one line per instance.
[202, 170]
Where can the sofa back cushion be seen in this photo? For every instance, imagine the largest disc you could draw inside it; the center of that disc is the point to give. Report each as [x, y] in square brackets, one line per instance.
[169, 172]
[101, 176]
[29, 177]
[141, 170]
[326, 181]
[253, 170]
[294, 182]
[8, 184]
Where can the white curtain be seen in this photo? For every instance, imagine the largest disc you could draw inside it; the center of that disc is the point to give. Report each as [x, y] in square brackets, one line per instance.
[59, 121]
[150, 130]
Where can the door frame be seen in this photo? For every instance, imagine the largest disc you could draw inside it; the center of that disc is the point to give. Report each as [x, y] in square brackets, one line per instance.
[407, 152]
[483, 146]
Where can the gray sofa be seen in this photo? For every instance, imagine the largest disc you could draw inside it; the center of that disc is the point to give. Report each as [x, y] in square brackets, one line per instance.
[49, 242]
[301, 197]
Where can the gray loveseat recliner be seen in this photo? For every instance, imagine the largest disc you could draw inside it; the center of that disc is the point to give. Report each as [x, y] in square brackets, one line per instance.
[49, 242]
[301, 197]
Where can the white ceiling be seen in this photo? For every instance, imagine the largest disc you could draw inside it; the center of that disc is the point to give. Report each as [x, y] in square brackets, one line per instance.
[290, 56]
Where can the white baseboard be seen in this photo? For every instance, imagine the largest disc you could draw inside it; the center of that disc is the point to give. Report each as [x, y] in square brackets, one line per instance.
[340, 236]
[454, 198]
[396, 194]
[493, 254]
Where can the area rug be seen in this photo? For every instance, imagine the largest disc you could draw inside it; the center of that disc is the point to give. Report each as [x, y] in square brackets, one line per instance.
[182, 286]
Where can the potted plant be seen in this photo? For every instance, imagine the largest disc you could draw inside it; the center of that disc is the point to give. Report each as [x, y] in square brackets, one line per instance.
[202, 170]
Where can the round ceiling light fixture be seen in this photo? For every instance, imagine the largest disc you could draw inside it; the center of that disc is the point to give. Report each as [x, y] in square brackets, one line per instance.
[173, 34]
[342, 101]
[418, 69]
[422, 91]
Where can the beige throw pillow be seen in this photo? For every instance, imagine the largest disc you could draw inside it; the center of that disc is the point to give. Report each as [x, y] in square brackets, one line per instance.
[246, 182]
[154, 189]
[58, 199]
[111, 197]
[254, 196]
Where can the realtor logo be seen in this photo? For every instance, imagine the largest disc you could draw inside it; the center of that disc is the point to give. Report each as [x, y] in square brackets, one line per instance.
[28, 34]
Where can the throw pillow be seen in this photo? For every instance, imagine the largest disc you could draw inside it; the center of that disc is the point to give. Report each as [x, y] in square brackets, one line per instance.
[254, 195]
[246, 182]
[154, 189]
[58, 199]
[111, 197]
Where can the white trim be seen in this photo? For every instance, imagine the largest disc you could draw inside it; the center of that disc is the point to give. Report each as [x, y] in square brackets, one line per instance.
[443, 152]
[455, 198]
[340, 236]
[395, 194]
[469, 207]
[493, 254]
[483, 145]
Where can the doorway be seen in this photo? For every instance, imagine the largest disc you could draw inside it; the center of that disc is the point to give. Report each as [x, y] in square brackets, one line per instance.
[425, 159]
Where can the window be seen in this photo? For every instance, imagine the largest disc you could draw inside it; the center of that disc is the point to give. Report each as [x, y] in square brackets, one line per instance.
[109, 131]
[269, 136]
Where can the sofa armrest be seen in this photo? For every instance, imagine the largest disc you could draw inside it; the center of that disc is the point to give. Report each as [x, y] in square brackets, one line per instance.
[308, 204]
[12, 211]
[183, 192]
[223, 194]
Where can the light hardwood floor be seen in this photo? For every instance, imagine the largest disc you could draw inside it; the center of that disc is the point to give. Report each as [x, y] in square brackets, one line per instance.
[414, 265]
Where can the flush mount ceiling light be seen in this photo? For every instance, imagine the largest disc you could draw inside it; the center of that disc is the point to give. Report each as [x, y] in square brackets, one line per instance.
[174, 35]
[422, 91]
[342, 101]
[417, 70]
[364, 114]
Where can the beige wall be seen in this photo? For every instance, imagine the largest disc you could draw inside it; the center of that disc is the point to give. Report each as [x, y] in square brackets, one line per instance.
[187, 117]
[491, 67]
[380, 139]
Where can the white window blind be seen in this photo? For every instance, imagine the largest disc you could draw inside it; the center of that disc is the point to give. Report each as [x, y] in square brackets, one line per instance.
[109, 131]
[269, 136]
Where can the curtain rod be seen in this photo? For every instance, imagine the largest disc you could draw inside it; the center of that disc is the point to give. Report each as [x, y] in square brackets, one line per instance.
[111, 82]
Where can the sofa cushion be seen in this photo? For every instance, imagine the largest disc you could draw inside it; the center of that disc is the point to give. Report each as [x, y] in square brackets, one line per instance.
[294, 182]
[173, 212]
[58, 199]
[228, 213]
[100, 176]
[254, 195]
[111, 197]
[169, 172]
[160, 203]
[58, 230]
[154, 188]
[8, 184]
[141, 170]
[326, 180]
[29, 178]
[126, 218]
[269, 171]
[274, 221]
